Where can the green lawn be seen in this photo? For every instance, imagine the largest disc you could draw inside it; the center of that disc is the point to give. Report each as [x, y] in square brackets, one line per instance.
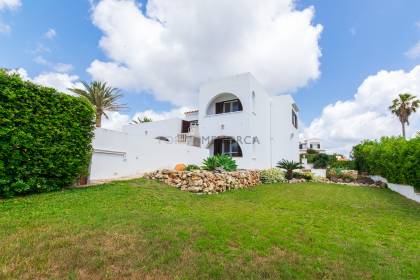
[145, 230]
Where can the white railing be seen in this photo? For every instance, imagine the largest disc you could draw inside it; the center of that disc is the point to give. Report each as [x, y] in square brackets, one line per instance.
[182, 137]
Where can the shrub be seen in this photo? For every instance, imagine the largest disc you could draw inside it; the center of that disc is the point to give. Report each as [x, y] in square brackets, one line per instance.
[191, 167]
[311, 157]
[219, 161]
[338, 173]
[303, 175]
[271, 176]
[312, 151]
[289, 166]
[343, 164]
[45, 137]
[394, 158]
[321, 160]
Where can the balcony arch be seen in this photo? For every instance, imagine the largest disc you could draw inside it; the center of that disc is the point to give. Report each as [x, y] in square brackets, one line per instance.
[225, 145]
[224, 103]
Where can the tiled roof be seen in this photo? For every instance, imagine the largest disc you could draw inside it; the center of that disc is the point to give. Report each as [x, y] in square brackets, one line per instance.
[190, 112]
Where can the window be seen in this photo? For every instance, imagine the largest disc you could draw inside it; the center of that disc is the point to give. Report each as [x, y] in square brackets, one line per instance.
[227, 146]
[319, 146]
[312, 146]
[301, 146]
[295, 120]
[228, 106]
[186, 125]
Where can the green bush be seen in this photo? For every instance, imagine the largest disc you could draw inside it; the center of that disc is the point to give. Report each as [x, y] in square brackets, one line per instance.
[310, 157]
[340, 173]
[271, 176]
[321, 160]
[45, 137]
[394, 158]
[343, 164]
[219, 161]
[191, 167]
[303, 175]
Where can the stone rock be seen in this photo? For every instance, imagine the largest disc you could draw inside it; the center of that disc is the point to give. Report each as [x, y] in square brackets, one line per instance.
[200, 181]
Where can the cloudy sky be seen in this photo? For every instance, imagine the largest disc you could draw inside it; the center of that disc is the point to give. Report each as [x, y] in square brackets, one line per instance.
[343, 61]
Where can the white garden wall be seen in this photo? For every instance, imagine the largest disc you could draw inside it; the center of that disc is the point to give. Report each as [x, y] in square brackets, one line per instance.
[119, 154]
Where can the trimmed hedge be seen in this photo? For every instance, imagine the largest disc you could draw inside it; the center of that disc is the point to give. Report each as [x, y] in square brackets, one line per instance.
[343, 164]
[45, 137]
[396, 159]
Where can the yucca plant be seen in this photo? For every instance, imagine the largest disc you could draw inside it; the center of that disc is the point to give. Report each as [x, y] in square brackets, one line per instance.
[289, 166]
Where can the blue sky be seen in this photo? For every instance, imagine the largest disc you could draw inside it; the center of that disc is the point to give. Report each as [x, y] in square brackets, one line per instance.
[359, 38]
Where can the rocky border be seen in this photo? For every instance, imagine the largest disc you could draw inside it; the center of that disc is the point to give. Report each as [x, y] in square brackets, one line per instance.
[206, 182]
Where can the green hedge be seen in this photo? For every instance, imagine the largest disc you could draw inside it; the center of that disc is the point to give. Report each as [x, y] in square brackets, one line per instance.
[394, 158]
[343, 164]
[45, 137]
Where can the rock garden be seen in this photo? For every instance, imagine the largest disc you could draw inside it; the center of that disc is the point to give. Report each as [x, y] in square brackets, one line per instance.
[219, 173]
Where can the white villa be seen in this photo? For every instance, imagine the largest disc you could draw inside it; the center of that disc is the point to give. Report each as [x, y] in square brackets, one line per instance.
[235, 116]
[311, 143]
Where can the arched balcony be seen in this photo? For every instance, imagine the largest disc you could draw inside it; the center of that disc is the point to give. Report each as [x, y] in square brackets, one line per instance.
[224, 103]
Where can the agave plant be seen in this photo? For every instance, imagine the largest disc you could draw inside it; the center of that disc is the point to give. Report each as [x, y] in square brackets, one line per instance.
[289, 166]
[219, 161]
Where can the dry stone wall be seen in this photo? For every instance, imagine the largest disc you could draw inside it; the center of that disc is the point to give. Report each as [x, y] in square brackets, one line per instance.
[207, 182]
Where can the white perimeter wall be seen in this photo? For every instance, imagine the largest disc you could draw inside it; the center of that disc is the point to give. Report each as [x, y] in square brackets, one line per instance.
[119, 154]
[165, 128]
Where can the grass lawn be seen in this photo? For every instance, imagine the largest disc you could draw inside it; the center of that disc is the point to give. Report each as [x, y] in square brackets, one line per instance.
[146, 230]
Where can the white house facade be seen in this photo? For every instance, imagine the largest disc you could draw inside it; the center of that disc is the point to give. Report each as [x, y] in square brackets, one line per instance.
[311, 143]
[235, 116]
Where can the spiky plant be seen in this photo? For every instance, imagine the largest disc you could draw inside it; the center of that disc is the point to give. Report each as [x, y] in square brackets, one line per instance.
[403, 106]
[140, 120]
[223, 161]
[102, 97]
[289, 166]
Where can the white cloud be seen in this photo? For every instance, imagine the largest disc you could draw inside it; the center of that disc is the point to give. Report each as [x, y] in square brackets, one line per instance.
[59, 67]
[63, 67]
[59, 81]
[41, 60]
[414, 52]
[50, 34]
[115, 120]
[10, 4]
[176, 45]
[366, 116]
[157, 116]
[4, 28]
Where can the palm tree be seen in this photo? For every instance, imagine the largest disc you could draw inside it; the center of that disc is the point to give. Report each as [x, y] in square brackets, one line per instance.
[102, 97]
[289, 166]
[141, 120]
[403, 106]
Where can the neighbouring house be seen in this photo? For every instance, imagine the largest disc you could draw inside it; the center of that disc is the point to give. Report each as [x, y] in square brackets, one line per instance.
[312, 144]
[235, 116]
